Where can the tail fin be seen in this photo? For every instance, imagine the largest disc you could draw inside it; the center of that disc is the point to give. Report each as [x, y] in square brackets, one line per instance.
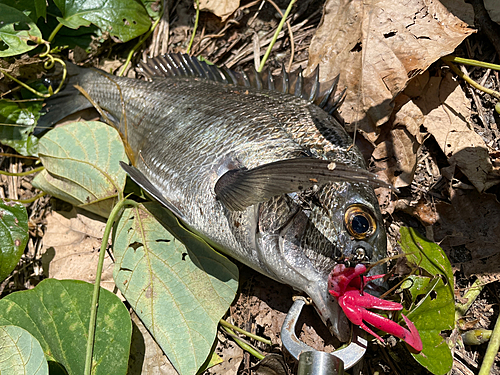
[66, 102]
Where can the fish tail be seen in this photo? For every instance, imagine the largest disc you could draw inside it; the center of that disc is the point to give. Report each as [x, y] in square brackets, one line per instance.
[68, 101]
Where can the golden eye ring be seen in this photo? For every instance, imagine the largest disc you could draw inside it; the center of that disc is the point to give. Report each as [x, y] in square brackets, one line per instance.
[359, 221]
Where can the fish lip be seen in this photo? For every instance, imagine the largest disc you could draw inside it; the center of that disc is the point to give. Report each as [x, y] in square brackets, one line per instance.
[299, 273]
[329, 310]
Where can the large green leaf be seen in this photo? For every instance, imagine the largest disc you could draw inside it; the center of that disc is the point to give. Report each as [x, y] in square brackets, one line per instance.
[13, 236]
[57, 314]
[17, 121]
[125, 19]
[20, 353]
[34, 9]
[16, 29]
[180, 291]
[82, 165]
[435, 307]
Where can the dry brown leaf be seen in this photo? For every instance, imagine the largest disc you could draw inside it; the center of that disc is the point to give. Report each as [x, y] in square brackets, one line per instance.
[461, 10]
[487, 269]
[146, 356]
[71, 248]
[376, 47]
[493, 8]
[231, 354]
[447, 117]
[396, 151]
[221, 8]
[468, 229]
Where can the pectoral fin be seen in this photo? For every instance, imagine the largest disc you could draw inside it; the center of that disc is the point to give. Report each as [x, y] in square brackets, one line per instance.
[241, 188]
[146, 185]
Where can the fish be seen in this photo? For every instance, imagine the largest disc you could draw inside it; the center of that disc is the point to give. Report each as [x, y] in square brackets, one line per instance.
[257, 165]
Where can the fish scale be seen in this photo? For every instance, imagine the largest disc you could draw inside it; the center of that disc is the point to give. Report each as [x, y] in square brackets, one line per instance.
[264, 176]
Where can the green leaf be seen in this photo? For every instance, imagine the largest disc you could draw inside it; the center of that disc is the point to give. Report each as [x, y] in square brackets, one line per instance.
[180, 291]
[17, 121]
[153, 7]
[435, 304]
[34, 9]
[82, 165]
[16, 30]
[13, 236]
[126, 19]
[21, 353]
[57, 314]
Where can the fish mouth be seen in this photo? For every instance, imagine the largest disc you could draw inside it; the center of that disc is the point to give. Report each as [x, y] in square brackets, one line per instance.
[316, 279]
[329, 310]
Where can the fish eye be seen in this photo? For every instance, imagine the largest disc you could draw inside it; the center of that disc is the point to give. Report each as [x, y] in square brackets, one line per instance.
[359, 221]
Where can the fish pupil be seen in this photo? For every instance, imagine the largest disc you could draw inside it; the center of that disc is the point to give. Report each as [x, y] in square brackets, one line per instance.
[360, 224]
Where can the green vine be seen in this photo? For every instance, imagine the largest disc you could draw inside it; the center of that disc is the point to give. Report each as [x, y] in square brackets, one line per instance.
[113, 216]
[195, 26]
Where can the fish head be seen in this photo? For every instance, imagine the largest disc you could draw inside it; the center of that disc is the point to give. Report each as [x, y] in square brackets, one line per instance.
[301, 237]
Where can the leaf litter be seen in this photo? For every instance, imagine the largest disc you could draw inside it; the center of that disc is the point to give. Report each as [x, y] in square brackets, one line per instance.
[423, 132]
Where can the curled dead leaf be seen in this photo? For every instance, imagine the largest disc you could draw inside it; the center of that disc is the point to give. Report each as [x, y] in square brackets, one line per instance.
[376, 47]
[447, 117]
[468, 229]
[221, 8]
[71, 248]
[397, 147]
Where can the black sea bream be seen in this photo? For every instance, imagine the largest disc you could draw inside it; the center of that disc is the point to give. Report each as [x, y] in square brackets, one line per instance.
[263, 175]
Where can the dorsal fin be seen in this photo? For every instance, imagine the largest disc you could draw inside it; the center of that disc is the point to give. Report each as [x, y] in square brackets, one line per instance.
[294, 83]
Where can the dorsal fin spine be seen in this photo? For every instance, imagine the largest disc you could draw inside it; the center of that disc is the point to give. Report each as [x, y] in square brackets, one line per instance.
[270, 80]
[258, 78]
[315, 86]
[308, 88]
[284, 74]
[299, 84]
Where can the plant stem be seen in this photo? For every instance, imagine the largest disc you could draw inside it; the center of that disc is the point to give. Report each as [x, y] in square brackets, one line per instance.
[97, 286]
[275, 36]
[243, 345]
[51, 62]
[24, 85]
[473, 83]
[290, 34]
[471, 295]
[136, 47]
[242, 331]
[54, 32]
[20, 174]
[461, 60]
[492, 350]
[29, 200]
[195, 26]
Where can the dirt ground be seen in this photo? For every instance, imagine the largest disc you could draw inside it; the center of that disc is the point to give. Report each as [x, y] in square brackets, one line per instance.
[441, 202]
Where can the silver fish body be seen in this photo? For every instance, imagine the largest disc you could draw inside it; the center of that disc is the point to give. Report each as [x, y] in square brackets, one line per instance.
[187, 132]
